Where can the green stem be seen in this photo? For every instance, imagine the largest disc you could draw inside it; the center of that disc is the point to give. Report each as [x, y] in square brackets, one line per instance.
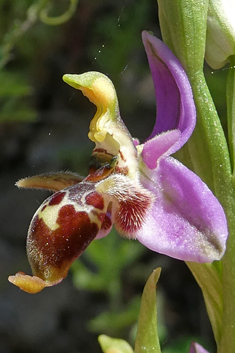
[231, 110]
[227, 343]
[219, 179]
[209, 274]
[58, 20]
[211, 159]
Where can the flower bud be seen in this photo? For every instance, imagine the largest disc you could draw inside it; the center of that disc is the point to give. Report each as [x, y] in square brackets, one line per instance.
[220, 41]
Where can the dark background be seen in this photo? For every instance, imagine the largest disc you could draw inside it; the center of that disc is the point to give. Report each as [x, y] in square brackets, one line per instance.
[43, 128]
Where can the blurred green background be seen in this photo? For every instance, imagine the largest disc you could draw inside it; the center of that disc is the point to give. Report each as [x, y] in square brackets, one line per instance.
[43, 128]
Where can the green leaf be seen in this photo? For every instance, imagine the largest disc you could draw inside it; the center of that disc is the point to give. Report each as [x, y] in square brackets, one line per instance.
[147, 333]
[114, 345]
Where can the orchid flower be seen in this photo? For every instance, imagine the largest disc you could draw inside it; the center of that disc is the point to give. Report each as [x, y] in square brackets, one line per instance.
[139, 188]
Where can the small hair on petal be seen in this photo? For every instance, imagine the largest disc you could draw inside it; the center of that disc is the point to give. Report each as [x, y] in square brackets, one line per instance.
[131, 202]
